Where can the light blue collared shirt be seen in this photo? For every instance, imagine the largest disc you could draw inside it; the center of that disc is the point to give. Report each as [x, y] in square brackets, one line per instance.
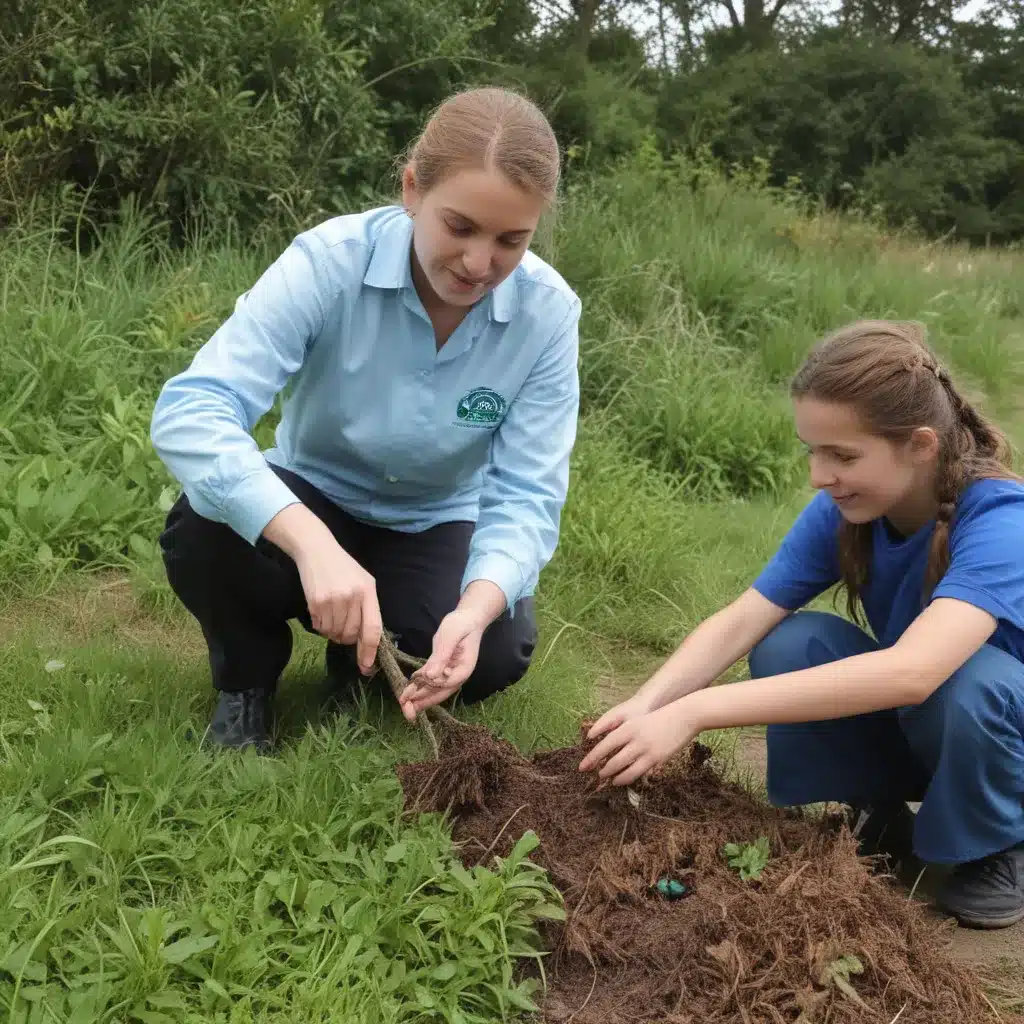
[395, 432]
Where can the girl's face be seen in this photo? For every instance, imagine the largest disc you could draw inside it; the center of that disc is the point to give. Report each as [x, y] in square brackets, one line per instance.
[471, 230]
[866, 475]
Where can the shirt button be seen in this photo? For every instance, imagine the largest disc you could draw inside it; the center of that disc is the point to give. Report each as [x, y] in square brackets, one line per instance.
[392, 479]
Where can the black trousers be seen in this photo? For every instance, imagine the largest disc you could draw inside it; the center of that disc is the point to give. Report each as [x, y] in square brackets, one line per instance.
[243, 596]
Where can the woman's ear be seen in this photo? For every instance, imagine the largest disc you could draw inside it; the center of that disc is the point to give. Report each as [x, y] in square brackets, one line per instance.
[410, 193]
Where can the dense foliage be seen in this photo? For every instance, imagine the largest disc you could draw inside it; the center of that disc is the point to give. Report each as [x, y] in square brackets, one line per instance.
[230, 110]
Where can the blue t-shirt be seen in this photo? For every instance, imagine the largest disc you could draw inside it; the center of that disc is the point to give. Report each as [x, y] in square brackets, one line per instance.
[986, 566]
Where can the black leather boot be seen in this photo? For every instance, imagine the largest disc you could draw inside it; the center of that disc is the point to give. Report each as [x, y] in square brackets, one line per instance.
[240, 720]
[345, 683]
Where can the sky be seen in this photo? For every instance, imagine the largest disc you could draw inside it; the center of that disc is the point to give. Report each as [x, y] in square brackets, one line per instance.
[647, 20]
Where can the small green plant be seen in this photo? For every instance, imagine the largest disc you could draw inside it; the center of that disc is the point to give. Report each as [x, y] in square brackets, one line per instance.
[838, 972]
[749, 859]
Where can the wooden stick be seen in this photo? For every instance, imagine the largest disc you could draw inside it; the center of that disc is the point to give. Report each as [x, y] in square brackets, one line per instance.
[407, 659]
[401, 658]
[388, 662]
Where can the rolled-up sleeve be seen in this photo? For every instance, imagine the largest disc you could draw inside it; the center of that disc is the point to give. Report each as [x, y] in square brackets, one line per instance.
[527, 478]
[202, 422]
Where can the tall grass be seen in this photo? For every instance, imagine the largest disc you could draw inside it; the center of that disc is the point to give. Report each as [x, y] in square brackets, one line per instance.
[769, 276]
[698, 304]
[143, 880]
[86, 340]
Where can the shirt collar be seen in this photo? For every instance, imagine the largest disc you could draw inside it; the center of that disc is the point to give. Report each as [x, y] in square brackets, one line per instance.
[505, 298]
[389, 261]
[389, 267]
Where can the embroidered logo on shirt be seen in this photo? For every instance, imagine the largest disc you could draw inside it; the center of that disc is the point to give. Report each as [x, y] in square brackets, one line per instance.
[481, 407]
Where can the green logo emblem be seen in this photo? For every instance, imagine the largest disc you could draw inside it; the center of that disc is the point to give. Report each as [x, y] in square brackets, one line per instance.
[481, 407]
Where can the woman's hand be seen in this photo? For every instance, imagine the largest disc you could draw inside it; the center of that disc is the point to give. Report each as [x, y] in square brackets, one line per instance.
[342, 600]
[642, 742]
[340, 594]
[456, 649]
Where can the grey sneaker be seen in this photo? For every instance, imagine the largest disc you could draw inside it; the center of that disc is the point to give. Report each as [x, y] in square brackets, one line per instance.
[986, 893]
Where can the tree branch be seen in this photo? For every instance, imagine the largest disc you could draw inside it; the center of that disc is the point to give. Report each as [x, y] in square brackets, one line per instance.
[908, 16]
[733, 16]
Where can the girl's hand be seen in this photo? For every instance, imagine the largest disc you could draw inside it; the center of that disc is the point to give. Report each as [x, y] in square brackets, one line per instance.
[643, 743]
[634, 707]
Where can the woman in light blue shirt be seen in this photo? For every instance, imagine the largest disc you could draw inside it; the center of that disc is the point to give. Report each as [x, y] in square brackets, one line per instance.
[429, 367]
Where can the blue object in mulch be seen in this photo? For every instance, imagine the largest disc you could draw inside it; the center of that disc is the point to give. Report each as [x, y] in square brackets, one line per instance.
[671, 889]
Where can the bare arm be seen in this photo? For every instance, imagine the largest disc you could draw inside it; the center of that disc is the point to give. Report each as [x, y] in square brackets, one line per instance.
[938, 642]
[935, 645]
[716, 644]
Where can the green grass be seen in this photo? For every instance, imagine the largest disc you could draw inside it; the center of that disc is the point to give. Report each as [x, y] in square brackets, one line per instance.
[144, 880]
[141, 880]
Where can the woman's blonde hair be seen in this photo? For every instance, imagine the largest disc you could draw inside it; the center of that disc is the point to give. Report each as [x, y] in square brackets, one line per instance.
[489, 128]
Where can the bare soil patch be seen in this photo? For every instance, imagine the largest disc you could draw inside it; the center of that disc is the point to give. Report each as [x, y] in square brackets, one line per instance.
[94, 607]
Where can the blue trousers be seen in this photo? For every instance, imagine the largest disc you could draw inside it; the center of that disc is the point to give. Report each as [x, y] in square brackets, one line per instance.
[960, 752]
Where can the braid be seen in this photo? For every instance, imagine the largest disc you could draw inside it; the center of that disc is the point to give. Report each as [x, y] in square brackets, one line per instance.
[855, 545]
[974, 449]
[981, 438]
[949, 484]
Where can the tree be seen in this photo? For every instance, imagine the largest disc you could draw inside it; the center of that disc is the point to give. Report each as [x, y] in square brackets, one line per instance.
[847, 116]
[928, 22]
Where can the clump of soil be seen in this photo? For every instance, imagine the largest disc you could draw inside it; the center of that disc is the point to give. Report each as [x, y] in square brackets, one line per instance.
[777, 948]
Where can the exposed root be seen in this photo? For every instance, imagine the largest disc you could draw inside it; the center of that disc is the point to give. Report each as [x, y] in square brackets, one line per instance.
[389, 659]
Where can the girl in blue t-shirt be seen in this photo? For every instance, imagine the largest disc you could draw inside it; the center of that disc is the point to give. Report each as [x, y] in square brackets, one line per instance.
[921, 521]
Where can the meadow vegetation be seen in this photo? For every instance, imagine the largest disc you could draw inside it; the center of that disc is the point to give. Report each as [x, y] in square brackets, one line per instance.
[142, 879]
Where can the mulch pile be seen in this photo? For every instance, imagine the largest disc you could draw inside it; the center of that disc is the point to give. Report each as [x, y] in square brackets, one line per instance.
[771, 949]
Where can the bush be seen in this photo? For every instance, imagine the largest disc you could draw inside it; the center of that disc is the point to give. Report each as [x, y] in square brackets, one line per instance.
[210, 108]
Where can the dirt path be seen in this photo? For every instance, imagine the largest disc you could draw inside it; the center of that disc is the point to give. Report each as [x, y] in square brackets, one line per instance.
[96, 607]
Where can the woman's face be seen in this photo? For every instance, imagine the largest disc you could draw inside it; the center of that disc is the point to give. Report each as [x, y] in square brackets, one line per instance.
[471, 230]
